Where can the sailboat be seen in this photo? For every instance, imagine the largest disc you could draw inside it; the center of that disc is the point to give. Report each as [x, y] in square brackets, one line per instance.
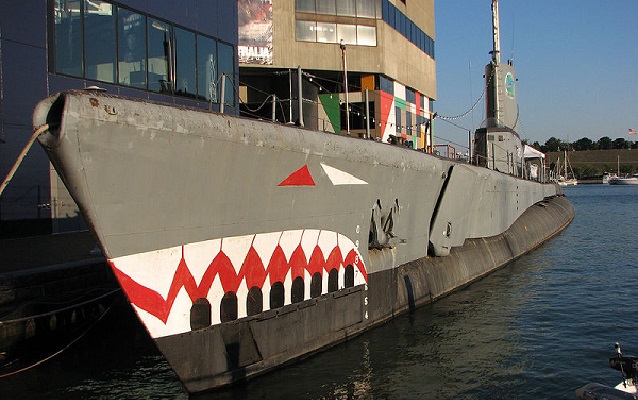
[627, 180]
[569, 179]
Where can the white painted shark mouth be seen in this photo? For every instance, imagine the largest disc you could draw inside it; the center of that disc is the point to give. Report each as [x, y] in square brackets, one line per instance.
[163, 285]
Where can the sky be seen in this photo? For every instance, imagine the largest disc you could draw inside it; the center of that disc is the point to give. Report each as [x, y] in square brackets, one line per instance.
[576, 62]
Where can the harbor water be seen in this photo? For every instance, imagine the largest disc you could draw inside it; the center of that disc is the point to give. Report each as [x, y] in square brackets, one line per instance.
[539, 328]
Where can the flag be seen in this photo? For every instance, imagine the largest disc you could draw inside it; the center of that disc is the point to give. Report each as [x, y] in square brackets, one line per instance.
[632, 131]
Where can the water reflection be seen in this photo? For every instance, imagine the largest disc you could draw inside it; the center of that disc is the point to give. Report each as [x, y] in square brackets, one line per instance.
[539, 328]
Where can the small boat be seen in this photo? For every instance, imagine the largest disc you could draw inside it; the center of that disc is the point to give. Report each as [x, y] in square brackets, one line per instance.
[607, 176]
[628, 180]
[628, 366]
[569, 179]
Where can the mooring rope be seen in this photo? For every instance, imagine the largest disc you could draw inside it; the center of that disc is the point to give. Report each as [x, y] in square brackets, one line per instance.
[67, 346]
[35, 135]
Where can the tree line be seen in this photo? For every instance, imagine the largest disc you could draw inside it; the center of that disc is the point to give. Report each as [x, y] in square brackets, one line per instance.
[604, 143]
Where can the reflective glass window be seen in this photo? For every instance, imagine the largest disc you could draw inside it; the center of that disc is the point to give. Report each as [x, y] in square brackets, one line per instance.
[413, 31]
[326, 32]
[99, 41]
[306, 31]
[405, 26]
[326, 7]
[346, 8]
[131, 29]
[392, 18]
[226, 63]
[386, 85]
[305, 6]
[68, 38]
[159, 52]
[185, 76]
[410, 96]
[385, 11]
[365, 8]
[348, 33]
[399, 18]
[366, 35]
[207, 68]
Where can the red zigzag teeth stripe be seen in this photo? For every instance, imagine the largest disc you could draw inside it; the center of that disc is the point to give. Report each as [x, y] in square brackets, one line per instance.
[252, 270]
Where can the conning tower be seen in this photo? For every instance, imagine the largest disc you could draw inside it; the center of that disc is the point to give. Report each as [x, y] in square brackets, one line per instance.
[497, 144]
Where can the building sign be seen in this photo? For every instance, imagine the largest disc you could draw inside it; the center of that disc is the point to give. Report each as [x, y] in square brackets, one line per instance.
[510, 85]
[255, 31]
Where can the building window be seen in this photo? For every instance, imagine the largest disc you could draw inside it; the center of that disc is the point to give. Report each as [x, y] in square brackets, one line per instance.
[366, 35]
[366, 9]
[410, 96]
[306, 31]
[326, 7]
[100, 41]
[406, 27]
[305, 6]
[346, 8]
[226, 57]
[68, 38]
[131, 29]
[386, 85]
[347, 33]
[186, 69]
[159, 48]
[207, 68]
[326, 32]
[408, 123]
[99, 35]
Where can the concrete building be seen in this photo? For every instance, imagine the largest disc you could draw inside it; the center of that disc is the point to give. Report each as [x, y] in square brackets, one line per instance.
[385, 46]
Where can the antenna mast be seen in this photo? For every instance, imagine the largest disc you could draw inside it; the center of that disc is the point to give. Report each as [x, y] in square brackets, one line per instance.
[494, 81]
[496, 51]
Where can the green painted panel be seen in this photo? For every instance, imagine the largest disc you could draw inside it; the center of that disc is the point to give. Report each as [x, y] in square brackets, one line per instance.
[330, 103]
[400, 103]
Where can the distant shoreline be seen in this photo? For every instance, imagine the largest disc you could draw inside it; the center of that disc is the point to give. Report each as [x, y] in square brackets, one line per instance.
[591, 164]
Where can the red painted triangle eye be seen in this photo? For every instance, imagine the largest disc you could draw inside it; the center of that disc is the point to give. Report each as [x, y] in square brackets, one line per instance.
[300, 177]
